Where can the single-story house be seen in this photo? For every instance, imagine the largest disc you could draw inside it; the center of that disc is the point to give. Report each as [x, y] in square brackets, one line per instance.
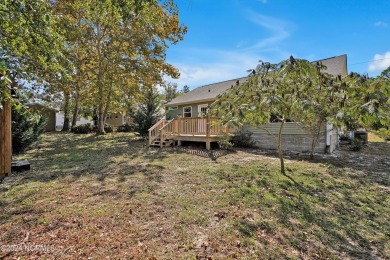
[48, 112]
[184, 121]
[80, 120]
[113, 119]
[118, 118]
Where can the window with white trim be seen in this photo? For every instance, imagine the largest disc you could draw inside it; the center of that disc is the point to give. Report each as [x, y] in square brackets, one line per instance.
[202, 109]
[187, 111]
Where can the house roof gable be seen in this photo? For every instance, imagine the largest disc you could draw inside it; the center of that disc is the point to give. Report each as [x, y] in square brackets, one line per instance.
[335, 65]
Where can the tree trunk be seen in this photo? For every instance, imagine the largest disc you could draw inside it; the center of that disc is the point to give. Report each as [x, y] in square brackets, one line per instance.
[65, 128]
[280, 150]
[315, 137]
[100, 87]
[76, 108]
[100, 123]
[107, 106]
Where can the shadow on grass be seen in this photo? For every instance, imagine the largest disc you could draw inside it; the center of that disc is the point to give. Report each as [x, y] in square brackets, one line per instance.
[340, 225]
[373, 160]
[67, 158]
[60, 155]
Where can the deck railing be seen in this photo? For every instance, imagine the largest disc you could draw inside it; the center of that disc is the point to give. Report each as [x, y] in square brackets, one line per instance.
[154, 131]
[188, 126]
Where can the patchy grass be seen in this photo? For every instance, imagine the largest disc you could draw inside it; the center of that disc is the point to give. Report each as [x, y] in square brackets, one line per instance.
[372, 137]
[111, 195]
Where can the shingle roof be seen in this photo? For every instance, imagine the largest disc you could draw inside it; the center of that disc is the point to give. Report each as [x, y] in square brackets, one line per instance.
[205, 93]
[335, 65]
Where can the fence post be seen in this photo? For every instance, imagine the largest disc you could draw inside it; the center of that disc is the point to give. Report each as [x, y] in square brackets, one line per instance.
[5, 139]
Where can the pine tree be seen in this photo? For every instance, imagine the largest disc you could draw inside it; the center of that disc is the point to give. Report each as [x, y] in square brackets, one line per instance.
[27, 126]
[186, 89]
[148, 111]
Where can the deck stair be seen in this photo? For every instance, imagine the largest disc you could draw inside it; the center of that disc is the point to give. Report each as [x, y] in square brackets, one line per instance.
[165, 143]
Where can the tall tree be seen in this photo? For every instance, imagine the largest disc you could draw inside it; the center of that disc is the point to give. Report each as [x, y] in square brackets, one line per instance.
[30, 43]
[368, 101]
[124, 42]
[170, 91]
[280, 91]
[321, 104]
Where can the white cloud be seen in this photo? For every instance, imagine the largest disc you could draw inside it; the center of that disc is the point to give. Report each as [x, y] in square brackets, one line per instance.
[279, 29]
[380, 62]
[205, 66]
[225, 65]
[380, 24]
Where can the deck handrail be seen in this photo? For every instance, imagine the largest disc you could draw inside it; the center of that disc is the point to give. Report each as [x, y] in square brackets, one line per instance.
[166, 131]
[154, 131]
[157, 124]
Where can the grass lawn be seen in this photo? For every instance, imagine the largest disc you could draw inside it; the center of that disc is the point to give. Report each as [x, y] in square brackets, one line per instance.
[114, 197]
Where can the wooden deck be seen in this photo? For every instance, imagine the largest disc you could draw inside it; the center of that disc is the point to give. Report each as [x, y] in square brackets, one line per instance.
[195, 129]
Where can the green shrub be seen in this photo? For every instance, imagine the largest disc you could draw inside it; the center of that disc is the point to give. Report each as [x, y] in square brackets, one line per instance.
[243, 139]
[83, 129]
[224, 143]
[27, 126]
[384, 133]
[125, 128]
[108, 129]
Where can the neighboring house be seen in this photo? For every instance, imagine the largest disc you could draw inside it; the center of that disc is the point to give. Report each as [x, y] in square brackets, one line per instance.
[48, 112]
[60, 120]
[118, 118]
[114, 119]
[195, 102]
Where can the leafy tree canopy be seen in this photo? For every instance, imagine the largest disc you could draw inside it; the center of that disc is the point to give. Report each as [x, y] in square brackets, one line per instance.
[30, 42]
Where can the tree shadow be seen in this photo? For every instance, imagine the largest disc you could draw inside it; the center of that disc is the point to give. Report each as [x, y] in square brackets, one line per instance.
[62, 155]
[338, 232]
[373, 160]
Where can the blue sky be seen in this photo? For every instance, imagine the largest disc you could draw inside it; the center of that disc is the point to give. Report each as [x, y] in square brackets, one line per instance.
[227, 37]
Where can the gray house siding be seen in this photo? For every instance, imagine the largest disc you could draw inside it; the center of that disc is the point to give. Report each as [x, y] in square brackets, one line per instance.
[294, 138]
[171, 114]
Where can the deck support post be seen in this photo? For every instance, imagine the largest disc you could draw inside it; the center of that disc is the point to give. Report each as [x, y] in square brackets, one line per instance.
[161, 138]
[208, 146]
[179, 143]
